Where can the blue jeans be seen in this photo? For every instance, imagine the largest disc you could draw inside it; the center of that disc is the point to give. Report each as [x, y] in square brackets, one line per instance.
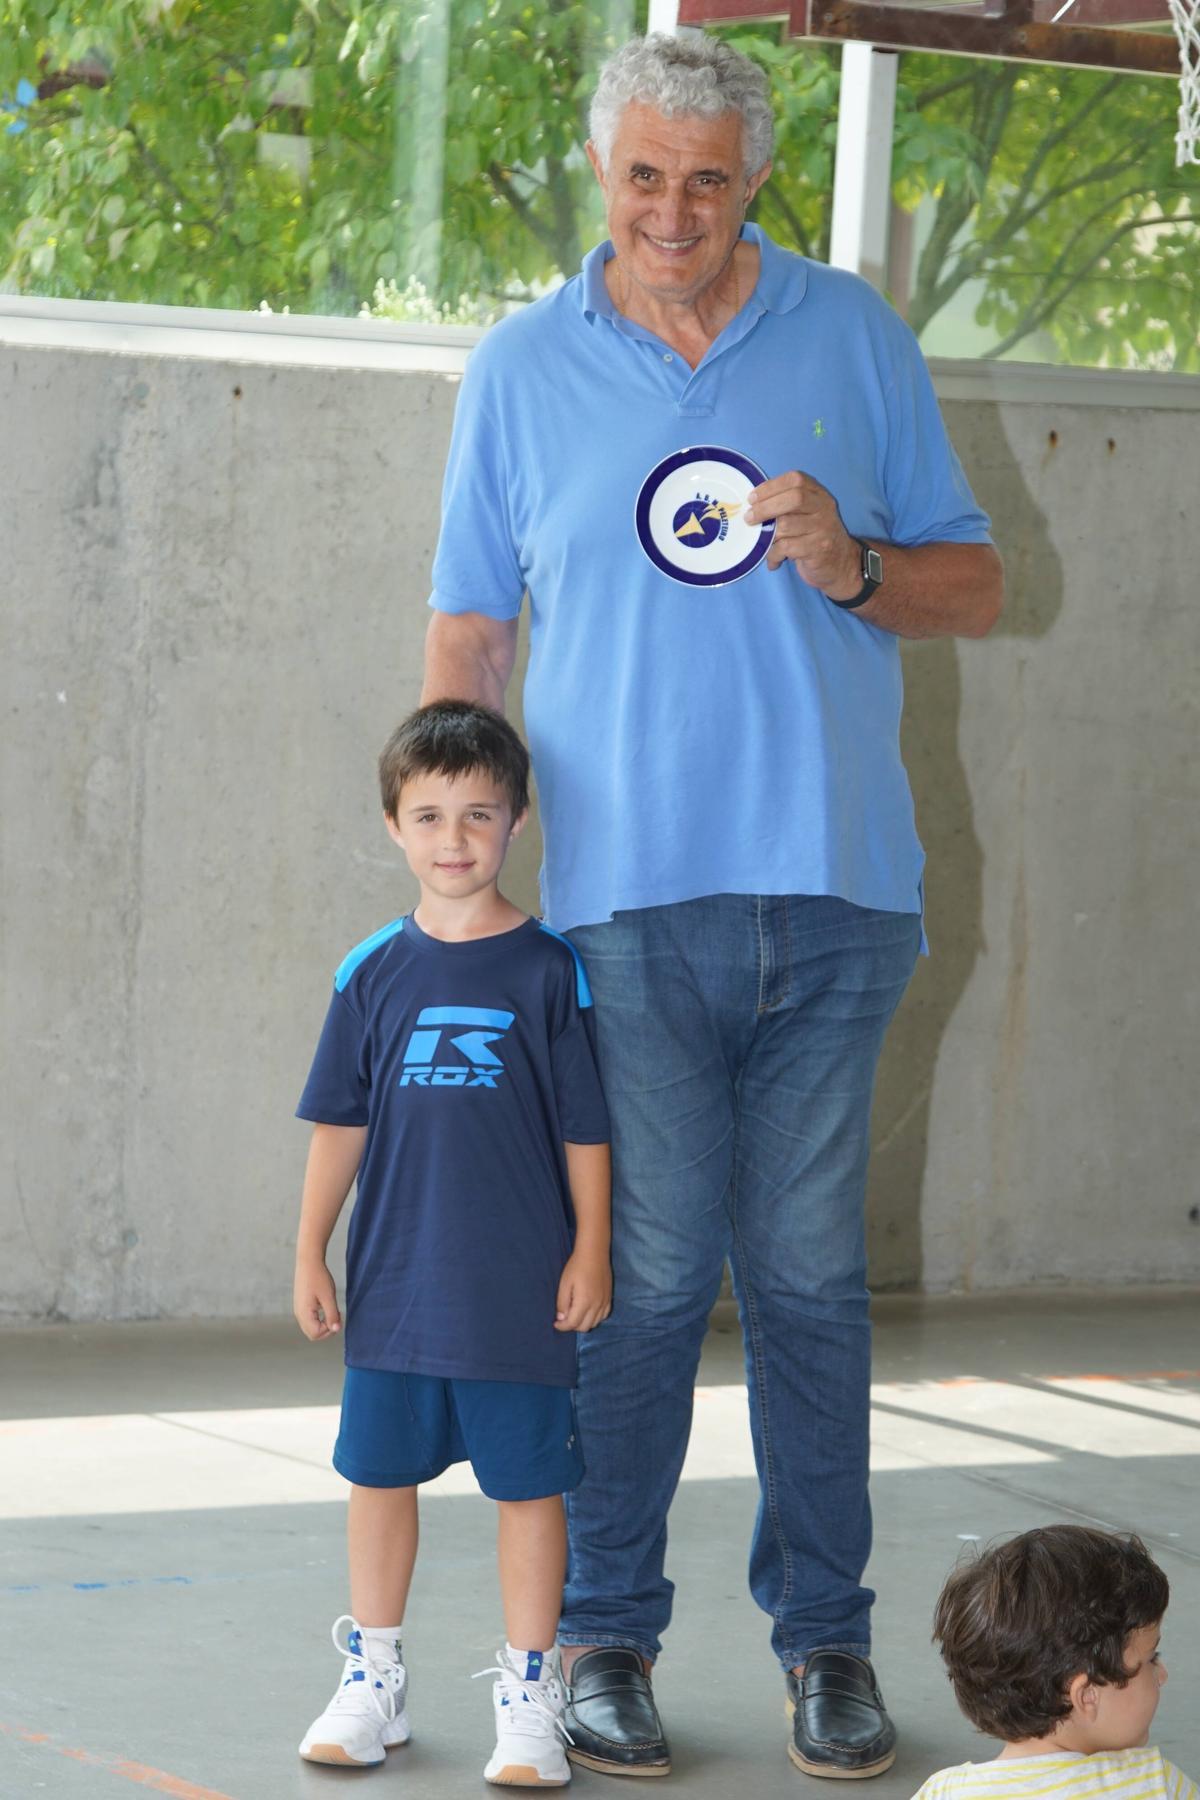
[738, 1040]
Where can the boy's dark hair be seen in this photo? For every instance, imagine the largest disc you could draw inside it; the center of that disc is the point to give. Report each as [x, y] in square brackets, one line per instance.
[452, 737]
[1017, 1622]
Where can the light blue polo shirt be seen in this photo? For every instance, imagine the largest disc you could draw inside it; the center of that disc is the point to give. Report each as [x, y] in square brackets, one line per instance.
[689, 741]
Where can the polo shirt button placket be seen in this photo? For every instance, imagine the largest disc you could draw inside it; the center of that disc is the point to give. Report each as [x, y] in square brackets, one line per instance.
[690, 403]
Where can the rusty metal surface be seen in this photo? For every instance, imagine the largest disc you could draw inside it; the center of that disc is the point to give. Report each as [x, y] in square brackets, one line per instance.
[730, 12]
[1100, 34]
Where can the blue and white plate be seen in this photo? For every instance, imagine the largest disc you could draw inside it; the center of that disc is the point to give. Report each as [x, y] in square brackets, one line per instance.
[689, 516]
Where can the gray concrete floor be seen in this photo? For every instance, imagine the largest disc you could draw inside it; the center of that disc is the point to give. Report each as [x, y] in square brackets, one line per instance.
[171, 1547]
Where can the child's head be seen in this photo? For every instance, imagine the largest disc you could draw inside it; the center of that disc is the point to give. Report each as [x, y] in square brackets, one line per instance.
[454, 780]
[1056, 1630]
[455, 738]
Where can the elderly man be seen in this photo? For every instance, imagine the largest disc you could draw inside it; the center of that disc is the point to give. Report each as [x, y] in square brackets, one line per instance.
[720, 473]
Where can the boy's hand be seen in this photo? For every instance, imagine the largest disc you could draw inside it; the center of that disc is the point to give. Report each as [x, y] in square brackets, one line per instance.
[584, 1292]
[314, 1301]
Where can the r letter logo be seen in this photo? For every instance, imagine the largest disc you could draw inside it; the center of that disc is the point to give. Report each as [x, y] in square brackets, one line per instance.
[480, 1067]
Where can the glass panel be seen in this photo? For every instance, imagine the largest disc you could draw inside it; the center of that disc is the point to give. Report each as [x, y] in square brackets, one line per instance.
[1039, 214]
[795, 204]
[1044, 218]
[415, 158]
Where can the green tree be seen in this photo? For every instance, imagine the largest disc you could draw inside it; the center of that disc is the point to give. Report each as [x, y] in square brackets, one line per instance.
[1074, 215]
[223, 152]
[300, 152]
[1055, 189]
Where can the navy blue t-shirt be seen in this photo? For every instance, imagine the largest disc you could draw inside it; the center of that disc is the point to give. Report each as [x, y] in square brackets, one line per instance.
[470, 1064]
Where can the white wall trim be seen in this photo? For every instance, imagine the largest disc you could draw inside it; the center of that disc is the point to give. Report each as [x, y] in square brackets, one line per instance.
[309, 341]
[226, 336]
[1047, 384]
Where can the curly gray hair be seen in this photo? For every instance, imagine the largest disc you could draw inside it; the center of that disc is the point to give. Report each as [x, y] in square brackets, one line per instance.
[694, 74]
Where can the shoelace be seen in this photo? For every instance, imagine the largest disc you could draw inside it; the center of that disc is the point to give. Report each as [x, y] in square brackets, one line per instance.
[535, 1692]
[360, 1672]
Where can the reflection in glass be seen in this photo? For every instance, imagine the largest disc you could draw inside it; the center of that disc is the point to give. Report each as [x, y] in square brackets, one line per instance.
[395, 155]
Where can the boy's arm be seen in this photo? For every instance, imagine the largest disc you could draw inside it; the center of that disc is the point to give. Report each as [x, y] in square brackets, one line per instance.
[333, 1159]
[585, 1290]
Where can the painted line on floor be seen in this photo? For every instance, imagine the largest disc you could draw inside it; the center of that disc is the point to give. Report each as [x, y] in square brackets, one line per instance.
[139, 1581]
[1137, 1375]
[96, 1587]
[962, 1381]
[141, 1774]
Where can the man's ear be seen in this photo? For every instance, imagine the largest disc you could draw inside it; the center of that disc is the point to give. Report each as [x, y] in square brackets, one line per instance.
[1084, 1695]
[754, 183]
[393, 830]
[593, 156]
[518, 825]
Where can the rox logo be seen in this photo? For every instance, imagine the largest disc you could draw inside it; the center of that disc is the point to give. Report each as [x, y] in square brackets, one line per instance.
[482, 1066]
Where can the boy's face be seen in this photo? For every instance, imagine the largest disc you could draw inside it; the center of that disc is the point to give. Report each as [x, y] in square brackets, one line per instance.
[1123, 1715]
[455, 831]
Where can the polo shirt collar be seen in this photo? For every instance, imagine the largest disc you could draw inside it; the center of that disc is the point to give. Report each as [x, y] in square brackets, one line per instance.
[782, 277]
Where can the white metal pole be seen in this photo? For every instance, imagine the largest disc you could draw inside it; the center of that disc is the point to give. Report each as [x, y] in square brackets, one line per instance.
[863, 170]
[663, 15]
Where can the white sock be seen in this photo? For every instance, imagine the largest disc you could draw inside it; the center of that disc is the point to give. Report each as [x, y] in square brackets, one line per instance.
[530, 1665]
[382, 1642]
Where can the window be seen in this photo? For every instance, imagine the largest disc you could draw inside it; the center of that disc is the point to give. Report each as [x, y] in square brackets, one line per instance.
[1038, 211]
[417, 158]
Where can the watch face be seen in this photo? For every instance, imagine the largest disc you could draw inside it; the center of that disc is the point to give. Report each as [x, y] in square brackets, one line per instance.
[689, 517]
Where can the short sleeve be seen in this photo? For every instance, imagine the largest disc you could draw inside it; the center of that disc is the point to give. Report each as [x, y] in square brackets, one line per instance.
[940, 1785]
[582, 1113]
[1178, 1785]
[928, 495]
[336, 1090]
[477, 566]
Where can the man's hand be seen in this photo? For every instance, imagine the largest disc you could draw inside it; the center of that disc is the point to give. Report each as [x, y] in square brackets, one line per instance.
[584, 1292]
[314, 1301]
[808, 532]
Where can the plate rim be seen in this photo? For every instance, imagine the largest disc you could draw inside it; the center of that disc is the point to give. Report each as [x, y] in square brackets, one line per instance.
[745, 465]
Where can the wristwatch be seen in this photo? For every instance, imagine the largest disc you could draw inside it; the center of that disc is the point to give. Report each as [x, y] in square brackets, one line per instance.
[872, 575]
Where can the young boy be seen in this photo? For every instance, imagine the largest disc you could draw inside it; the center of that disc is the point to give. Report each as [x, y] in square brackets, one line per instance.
[456, 1081]
[1051, 1643]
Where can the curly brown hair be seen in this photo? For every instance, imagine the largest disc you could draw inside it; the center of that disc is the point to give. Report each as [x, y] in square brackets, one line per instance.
[1018, 1621]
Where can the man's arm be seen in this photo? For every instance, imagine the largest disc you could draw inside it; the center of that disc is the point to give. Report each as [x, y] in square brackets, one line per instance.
[930, 590]
[469, 656]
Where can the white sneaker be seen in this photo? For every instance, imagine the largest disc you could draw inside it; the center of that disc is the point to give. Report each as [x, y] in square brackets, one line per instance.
[530, 1732]
[366, 1716]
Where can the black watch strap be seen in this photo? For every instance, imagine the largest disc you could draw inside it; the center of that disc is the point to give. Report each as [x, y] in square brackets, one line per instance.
[872, 576]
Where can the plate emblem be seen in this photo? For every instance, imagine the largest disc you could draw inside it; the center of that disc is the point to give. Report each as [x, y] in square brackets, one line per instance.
[689, 516]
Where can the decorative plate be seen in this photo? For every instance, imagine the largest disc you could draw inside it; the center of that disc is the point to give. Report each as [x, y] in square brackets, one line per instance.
[689, 516]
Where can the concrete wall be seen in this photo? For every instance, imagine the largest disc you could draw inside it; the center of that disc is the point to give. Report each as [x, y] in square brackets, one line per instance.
[214, 577]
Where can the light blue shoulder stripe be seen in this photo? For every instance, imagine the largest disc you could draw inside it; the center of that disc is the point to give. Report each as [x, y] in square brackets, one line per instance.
[361, 952]
[582, 990]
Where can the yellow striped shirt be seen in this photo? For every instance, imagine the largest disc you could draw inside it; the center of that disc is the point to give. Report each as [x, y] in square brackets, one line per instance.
[1142, 1774]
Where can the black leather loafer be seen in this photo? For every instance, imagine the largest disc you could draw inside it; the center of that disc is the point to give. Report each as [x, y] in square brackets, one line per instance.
[839, 1724]
[611, 1716]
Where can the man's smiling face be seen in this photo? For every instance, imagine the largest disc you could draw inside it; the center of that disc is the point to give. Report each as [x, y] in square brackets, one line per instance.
[675, 193]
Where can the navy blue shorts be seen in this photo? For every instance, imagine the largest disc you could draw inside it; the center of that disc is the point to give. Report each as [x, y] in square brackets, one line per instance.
[520, 1437]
